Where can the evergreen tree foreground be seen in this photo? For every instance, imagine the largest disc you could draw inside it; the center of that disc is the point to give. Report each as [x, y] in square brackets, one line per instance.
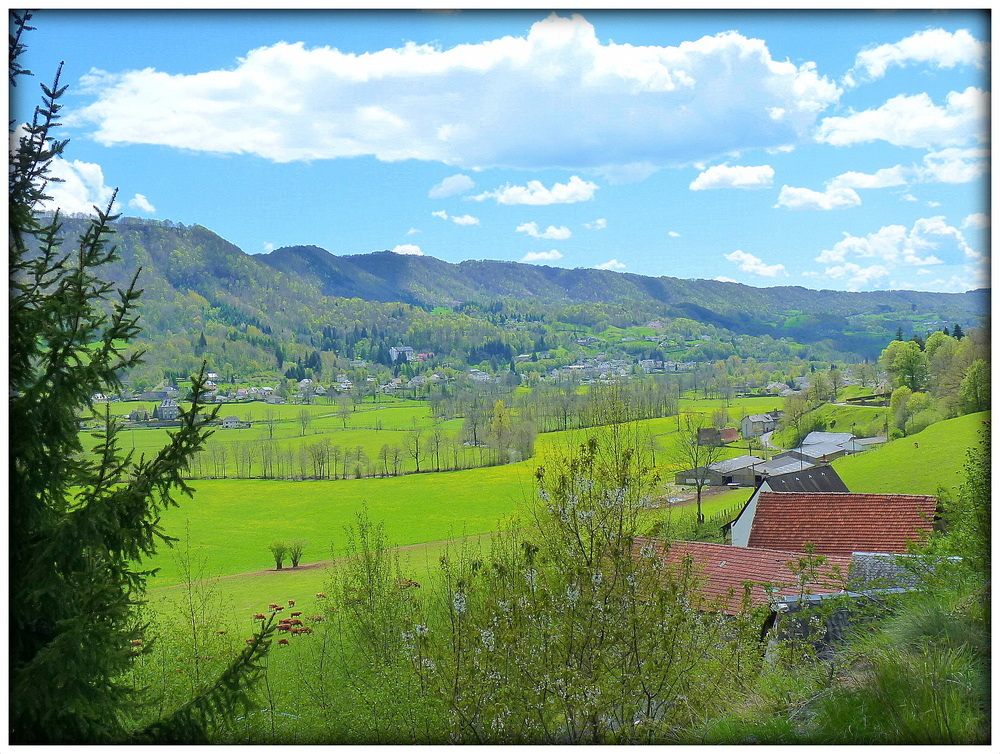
[80, 523]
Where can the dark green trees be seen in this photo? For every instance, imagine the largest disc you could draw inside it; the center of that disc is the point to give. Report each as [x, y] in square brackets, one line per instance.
[80, 523]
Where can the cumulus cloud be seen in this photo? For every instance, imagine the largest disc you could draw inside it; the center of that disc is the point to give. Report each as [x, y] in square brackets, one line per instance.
[855, 276]
[556, 234]
[575, 190]
[935, 47]
[452, 185]
[673, 234]
[598, 224]
[141, 203]
[803, 198]
[723, 279]
[79, 186]
[895, 245]
[952, 165]
[611, 264]
[542, 256]
[458, 220]
[977, 220]
[569, 101]
[408, 249]
[754, 265]
[734, 176]
[914, 121]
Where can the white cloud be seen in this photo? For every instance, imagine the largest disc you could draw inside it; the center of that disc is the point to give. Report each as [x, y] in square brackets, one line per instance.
[556, 97]
[81, 186]
[937, 47]
[575, 190]
[856, 276]
[734, 176]
[723, 279]
[408, 249]
[141, 203]
[598, 224]
[413, 231]
[611, 264]
[894, 246]
[977, 220]
[268, 247]
[754, 265]
[950, 165]
[909, 198]
[452, 185]
[556, 234]
[933, 204]
[542, 256]
[458, 220]
[914, 121]
[803, 198]
[673, 234]
[895, 176]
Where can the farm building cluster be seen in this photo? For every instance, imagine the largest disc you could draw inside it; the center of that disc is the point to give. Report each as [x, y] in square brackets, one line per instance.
[802, 538]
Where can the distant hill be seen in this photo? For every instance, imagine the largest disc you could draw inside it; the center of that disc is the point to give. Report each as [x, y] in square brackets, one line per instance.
[193, 277]
[852, 321]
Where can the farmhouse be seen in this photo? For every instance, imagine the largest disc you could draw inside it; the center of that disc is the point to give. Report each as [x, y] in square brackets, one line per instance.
[739, 470]
[813, 479]
[839, 523]
[168, 410]
[725, 571]
[716, 437]
[755, 425]
[233, 422]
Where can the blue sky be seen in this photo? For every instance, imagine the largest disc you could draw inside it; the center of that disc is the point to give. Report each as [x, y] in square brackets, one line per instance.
[835, 149]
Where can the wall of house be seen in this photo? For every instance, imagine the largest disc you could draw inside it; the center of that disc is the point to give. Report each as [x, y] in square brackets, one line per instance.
[740, 530]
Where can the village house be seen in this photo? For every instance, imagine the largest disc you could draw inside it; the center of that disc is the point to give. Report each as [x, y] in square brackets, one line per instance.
[405, 351]
[712, 436]
[233, 422]
[168, 410]
[755, 425]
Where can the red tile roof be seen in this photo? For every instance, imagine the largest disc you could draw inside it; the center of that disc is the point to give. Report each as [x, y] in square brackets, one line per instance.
[839, 523]
[723, 570]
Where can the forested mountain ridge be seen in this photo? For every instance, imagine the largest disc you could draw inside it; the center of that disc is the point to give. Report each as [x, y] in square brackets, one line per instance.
[804, 314]
[205, 297]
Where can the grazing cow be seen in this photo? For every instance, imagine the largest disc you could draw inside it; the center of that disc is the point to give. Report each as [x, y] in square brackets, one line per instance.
[136, 642]
[305, 630]
[220, 633]
[282, 641]
[317, 618]
[273, 606]
[283, 627]
[291, 603]
[296, 615]
[259, 616]
[320, 595]
[295, 622]
[278, 609]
